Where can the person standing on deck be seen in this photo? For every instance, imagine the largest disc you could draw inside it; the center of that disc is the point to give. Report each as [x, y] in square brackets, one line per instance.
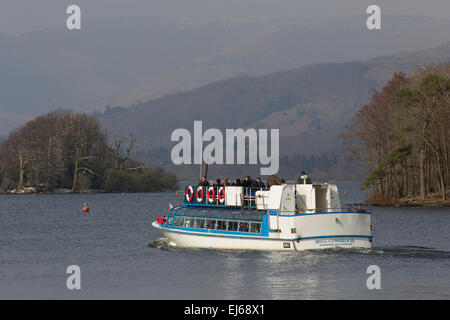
[205, 182]
[303, 178]
[247, 183]
[237, 182]
[259, 183]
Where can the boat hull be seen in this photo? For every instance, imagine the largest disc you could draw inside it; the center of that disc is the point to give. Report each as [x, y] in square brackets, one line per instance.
[186, 239]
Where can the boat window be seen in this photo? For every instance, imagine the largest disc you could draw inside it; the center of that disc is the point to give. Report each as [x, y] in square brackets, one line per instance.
[248, 225]
[257, 218]
[255, 227]
[210, 223]
[243, 226]
[200, 223]
[232, 225]
[189, 222]
[221, 225]
[179, 221]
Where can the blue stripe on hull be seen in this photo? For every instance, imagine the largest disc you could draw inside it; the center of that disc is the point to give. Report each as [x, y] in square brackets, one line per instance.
[216, 233]
[274, 213]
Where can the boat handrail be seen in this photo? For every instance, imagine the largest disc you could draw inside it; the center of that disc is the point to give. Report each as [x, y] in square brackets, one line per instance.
[298, 211]
[319, 210]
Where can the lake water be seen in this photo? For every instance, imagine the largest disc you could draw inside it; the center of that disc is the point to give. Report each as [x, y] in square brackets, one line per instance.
[40, 236]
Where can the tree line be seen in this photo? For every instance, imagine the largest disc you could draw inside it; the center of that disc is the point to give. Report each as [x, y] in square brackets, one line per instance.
[64, 149]
[403, 136]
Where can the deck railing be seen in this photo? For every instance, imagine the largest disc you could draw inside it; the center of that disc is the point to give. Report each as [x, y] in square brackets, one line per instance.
[248, 199]
[321, 210]
[215, 195]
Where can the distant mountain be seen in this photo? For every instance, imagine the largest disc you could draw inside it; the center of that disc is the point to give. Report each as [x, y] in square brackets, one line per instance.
[58, 68]
[124, 61]
[294, 101]
[310, 105]
[288, 44]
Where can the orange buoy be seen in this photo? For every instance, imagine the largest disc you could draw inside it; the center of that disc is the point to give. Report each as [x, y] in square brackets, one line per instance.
[345, 192]
[177, 194]
[85, 208]
[123, 193]
[34, 194]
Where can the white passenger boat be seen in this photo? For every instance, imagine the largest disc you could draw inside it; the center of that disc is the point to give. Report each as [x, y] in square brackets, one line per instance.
[287, 218]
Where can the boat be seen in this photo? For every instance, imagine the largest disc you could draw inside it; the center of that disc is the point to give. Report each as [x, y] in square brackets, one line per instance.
[283, 218]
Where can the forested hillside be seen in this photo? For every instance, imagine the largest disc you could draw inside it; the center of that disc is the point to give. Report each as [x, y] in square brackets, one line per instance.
[403, 136]
[70, 151]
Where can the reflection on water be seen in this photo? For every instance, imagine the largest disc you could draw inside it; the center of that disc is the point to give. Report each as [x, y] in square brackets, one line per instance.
[234, 275]
[293, 272]
[312, 274]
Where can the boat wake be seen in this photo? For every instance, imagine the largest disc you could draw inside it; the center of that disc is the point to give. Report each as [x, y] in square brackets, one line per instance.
[417, 252]
[161, 243]
[414, 252]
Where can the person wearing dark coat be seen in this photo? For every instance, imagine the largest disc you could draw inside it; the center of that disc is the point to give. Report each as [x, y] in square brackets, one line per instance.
[303, 178]
[259, 184]
[237, 183]
[247, 183]
[205, 182]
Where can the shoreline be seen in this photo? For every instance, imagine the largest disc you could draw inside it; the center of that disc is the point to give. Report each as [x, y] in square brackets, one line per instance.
[409, 204]
[34, 191]
[69, 191]
[430, 201]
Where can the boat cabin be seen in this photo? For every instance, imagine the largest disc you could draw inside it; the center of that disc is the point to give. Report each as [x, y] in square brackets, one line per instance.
[299, 198]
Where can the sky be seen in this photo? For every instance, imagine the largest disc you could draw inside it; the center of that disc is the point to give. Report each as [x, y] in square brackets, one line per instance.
[23, 16]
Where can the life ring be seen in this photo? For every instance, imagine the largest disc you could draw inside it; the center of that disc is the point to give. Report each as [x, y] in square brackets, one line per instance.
[221, 194]
[200, 199]
[211, 194]
[189, 194]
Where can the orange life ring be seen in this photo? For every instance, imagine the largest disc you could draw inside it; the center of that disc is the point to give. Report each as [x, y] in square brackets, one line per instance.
[221, 194]
[189, 194]
[200, 199]
[211, 194]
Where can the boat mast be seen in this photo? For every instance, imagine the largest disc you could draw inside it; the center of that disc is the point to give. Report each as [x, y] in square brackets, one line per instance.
[206, 171]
